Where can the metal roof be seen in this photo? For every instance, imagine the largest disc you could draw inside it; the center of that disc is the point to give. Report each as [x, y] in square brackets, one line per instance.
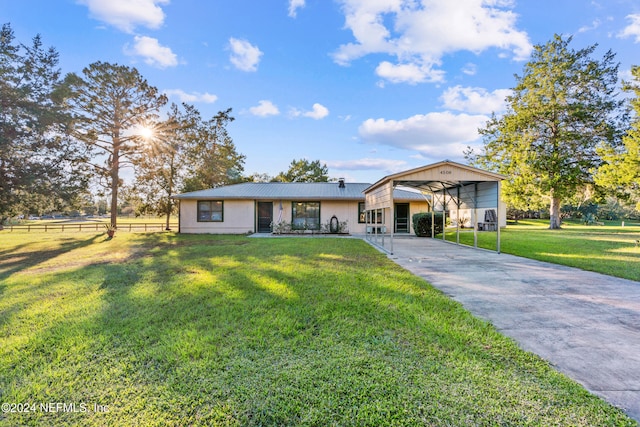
[438, 176]
[292, 191]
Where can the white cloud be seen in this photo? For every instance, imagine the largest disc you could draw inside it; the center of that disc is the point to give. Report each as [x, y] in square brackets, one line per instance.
[470, 69]
[191, 97]
[633, 29]
[586, 28]
[368, 163]
[127, 14]
[244, 55]
[408, 73]
[475, 99]
[294, 5]
[626, 75]
[419, 35]
[319, 112]
[264, 108]
[153, 53]
[435, 135]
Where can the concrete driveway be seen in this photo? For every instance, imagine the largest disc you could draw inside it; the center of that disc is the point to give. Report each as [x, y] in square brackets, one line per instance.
[587, 325]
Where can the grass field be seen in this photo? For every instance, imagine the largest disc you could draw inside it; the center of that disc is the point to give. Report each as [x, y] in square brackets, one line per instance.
[608, 249]
[163, 329]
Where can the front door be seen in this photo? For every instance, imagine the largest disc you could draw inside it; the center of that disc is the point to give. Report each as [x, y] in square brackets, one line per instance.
[401, 218]
[265, 217]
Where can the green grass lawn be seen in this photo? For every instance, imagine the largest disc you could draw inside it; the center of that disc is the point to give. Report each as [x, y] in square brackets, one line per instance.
[164, 329]
[609, 249]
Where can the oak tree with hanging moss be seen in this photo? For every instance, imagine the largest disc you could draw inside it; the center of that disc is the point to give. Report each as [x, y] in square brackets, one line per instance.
[563, 109]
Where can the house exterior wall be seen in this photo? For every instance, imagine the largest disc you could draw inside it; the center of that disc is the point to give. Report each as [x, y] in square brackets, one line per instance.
[414, 208]
[379, 198]
[344, 210]
[239, 216]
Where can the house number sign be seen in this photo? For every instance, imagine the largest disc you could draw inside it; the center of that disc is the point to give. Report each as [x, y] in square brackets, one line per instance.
[446, 172]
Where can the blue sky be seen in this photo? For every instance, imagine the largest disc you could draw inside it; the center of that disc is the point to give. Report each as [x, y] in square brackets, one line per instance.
[369, 87]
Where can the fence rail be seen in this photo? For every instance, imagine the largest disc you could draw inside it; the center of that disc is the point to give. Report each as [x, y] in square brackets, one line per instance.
[75, 226]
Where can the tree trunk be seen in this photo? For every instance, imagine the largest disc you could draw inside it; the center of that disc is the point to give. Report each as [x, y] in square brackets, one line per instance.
[115, 179]
[172, 172]
[114, 196]
[554, 211]
[168, 219]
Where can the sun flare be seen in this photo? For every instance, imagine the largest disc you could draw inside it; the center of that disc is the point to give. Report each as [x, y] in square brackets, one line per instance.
[146, 132]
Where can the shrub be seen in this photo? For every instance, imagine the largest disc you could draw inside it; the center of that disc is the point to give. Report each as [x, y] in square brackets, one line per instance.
[422, 223]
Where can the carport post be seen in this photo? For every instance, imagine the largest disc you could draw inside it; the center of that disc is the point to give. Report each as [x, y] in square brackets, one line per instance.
[458, 215]
[433, 214]
[475, 215]
[499, 184]
[392, 216]
[444, 213]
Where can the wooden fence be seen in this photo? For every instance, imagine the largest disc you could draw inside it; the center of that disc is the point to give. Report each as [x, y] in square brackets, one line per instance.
[76, 226]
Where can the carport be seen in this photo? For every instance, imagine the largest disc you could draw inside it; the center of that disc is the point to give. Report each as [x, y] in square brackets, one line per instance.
[453, 188]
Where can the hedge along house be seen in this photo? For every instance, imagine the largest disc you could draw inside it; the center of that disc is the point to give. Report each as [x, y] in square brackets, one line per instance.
[261, 207]
[468, 196]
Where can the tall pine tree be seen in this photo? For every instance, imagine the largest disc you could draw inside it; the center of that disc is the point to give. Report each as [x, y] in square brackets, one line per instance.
[39, 168]
[110, 104]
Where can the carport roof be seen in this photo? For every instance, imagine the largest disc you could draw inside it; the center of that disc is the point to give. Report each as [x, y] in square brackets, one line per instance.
[438, 176]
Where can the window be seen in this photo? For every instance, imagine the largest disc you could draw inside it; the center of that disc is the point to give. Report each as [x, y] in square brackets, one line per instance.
[305, 215]
[210, 211]
[374, 216]
[362, 214]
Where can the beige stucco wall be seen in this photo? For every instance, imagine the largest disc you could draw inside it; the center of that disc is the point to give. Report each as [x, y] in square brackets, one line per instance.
[414, 208]
[240, 216]
[343, 210]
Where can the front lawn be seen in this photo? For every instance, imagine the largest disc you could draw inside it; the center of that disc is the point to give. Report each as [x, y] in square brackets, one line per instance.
[165, 329]
[608, 249]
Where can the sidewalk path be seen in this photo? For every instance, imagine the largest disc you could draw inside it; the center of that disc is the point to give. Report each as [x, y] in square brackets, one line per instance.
[587, 325]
